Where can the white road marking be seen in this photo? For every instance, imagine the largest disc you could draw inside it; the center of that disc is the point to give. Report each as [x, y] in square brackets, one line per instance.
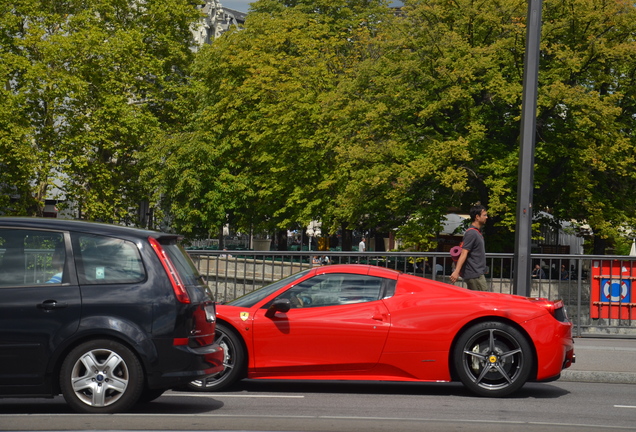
[326, 417]
[602, 348]
[221, 395]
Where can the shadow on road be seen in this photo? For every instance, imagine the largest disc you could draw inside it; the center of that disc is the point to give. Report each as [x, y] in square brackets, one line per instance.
[530, 390]
[163, 405]
[196, 402]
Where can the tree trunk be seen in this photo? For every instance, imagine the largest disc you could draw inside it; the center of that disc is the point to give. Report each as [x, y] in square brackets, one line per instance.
[600, 244]
[221, 239]
[379, 241]
[347, 239]
[281, 240]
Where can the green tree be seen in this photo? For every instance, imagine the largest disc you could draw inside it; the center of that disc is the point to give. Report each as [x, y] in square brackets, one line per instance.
[398, 168]
[587, 112]
[95, 82]
[344, 112]
[17, 160]
[262, 96]
[471, 56]
[474, 52]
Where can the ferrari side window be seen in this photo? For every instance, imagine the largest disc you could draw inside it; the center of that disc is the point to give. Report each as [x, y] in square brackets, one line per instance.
[388, 285]
[360, 289]
[250, 299]
[335, 289]
[304, 293]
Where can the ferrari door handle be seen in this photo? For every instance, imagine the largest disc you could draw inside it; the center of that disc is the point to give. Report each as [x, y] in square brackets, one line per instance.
[52, 304]
[378, 317]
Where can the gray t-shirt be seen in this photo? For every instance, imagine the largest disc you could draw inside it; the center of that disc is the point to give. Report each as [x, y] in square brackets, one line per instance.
[475, 264]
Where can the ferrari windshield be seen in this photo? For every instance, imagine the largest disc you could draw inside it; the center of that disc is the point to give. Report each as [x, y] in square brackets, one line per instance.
[250, 299]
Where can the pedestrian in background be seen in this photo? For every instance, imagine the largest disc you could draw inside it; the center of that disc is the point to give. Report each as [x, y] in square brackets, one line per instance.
[538, 273]
[565, 274]
[471, 265]
[362, 247]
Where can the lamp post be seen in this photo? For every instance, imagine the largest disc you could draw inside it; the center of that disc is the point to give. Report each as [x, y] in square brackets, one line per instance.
[313, 229]
[523, 234]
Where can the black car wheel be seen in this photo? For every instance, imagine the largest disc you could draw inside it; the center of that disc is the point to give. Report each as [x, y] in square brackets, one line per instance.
[493, 359]
[101, 376]
[149, 395]
[234, 362]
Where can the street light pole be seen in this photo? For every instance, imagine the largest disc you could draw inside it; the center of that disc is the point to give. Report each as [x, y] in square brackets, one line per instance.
[523, 235]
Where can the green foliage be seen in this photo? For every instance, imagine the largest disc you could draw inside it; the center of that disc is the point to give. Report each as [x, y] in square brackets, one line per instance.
[341, 111]
[585, 143]
[585, 156]
[91, 85]
[420, 231]
[17, 158]
[263, 97]
[345, 112]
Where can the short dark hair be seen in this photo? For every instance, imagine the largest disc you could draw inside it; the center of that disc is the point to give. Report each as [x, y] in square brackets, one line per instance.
[476, 211]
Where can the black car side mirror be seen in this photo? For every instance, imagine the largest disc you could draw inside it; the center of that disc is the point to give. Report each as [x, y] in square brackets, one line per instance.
[278, 305]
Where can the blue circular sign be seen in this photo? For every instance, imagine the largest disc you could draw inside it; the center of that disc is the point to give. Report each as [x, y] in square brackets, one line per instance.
[615, 290]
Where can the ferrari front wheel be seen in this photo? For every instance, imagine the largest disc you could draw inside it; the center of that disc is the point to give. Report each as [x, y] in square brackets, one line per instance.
[493, 359]
[234, 361]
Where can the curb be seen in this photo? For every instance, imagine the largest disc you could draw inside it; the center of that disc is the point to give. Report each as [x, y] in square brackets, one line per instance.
[598, 377]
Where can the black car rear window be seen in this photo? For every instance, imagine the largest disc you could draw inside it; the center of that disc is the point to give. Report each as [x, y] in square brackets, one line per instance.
[108, 260]
[186, 269]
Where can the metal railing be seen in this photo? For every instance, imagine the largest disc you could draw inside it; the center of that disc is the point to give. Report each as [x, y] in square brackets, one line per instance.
[596, 290]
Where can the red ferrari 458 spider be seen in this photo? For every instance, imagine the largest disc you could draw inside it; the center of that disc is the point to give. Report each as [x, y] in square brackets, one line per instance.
[358, 322]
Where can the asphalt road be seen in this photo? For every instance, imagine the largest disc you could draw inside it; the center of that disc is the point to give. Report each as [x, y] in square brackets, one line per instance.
[343, 407]
[603, 361]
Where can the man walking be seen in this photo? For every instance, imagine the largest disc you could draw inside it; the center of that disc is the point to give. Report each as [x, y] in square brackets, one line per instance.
[471, 265]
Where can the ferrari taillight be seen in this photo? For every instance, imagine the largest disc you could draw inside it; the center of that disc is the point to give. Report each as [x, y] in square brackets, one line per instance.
[556, 308]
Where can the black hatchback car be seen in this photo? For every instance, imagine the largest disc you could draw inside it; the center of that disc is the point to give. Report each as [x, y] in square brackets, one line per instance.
[106, 315]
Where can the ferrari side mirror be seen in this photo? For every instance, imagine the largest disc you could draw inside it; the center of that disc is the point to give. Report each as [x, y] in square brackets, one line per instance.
[278, 305]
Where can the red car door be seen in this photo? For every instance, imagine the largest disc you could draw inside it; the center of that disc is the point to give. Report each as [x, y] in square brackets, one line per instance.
[320, 340]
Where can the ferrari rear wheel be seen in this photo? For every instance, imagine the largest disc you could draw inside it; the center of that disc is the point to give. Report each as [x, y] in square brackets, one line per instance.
[234, 362]
[493, 359]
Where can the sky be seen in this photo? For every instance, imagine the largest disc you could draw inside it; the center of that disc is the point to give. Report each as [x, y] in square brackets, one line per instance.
[237, 5]
[243, 5]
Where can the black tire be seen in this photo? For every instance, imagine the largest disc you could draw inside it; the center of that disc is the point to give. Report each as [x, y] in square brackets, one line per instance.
[493, 359]
[101, 376]
[234, 362]
[149, 395]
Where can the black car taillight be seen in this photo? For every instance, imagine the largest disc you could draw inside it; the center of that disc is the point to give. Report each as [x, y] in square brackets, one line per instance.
[210, 312]
[177, 284]
[203, 325]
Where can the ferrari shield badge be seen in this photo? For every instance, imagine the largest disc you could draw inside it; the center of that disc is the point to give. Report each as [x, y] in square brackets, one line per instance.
[245, 316]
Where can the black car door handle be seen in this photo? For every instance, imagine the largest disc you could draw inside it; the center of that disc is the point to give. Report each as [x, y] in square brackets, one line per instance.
[51, 304]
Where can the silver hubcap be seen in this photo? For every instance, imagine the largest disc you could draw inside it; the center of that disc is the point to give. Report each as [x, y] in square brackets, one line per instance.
[99, 378]
[228, 362]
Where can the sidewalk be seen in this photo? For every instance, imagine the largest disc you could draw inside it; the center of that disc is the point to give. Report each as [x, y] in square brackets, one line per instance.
[602, 360]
